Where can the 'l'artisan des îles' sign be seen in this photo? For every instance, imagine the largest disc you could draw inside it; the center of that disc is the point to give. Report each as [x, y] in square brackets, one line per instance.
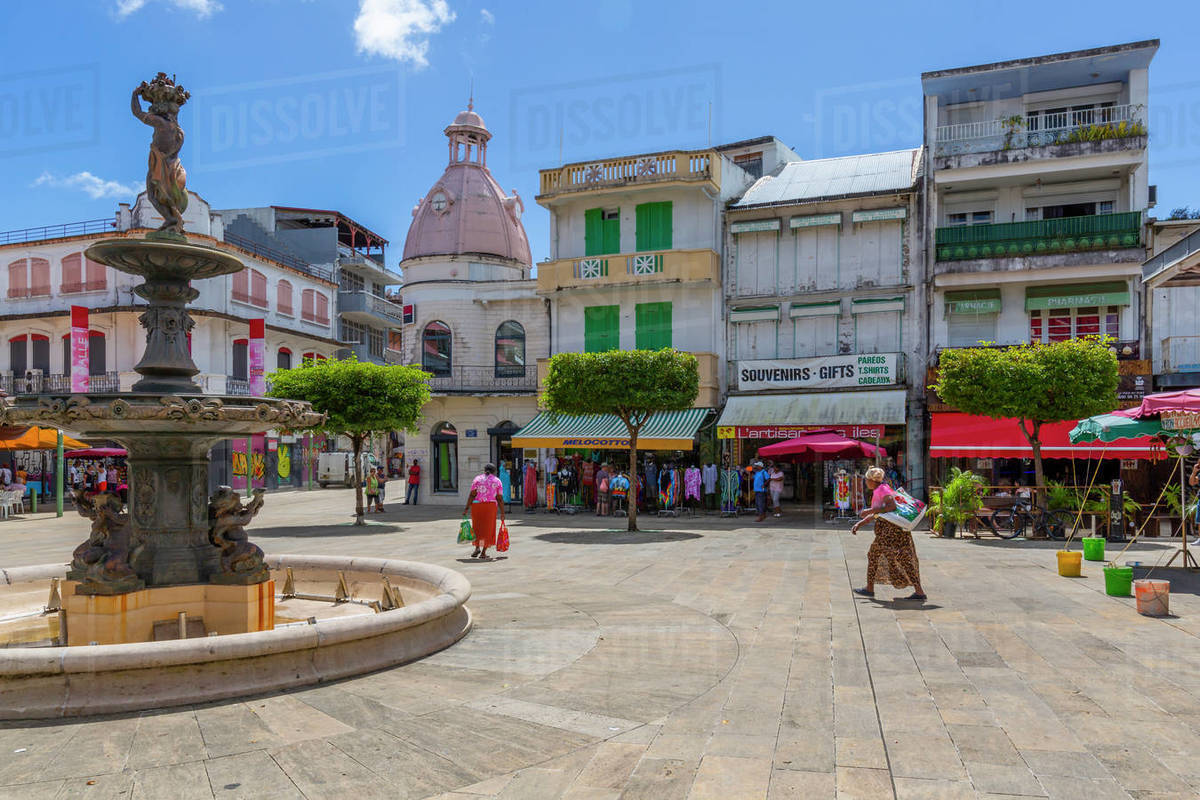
[825, 372]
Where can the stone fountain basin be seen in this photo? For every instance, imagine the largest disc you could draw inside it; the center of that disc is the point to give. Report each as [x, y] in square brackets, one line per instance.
[50, 682]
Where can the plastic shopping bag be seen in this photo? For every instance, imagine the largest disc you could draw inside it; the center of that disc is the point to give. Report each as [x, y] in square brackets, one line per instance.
[502, 539]
[464, 531]
[909, 511]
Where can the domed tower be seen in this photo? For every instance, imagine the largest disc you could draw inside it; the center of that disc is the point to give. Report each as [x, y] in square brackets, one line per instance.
[466, 213]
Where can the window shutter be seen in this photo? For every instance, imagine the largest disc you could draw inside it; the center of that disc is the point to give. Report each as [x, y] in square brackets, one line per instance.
[96, 353]
[663, 227]
[97, 278]
[612, 235]
[654, 231]
[645, 221]
[653, 331]
[72, 273]
[601, 328]
[593, 233]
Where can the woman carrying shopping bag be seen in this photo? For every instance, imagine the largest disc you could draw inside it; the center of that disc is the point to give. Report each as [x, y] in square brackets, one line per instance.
[483, 504]
[892, 557]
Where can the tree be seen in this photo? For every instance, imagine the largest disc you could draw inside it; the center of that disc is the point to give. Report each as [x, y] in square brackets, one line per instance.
[1035, 383]
[630, 384]
[359, 398]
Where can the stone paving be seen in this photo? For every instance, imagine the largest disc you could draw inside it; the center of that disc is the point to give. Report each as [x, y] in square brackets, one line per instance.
[701, 659]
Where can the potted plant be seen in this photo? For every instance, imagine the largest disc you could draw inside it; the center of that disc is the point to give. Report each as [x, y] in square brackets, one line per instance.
[1011, 125]
[933, 511]
[960, 499]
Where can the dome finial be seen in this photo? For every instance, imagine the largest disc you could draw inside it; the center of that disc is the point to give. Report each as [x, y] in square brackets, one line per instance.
[471, 96]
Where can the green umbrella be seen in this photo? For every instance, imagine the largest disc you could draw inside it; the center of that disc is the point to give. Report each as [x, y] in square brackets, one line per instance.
[1113, 427]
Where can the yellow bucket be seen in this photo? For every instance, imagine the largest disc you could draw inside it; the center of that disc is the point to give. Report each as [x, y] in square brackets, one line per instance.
[1069, 563]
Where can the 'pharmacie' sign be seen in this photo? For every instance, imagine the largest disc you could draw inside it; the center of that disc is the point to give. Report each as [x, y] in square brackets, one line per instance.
[825, 372]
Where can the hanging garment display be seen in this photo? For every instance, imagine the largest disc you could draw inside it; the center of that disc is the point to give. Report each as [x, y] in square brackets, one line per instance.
[529, 484]
[841, 491]
[731, 487]
[691, 484]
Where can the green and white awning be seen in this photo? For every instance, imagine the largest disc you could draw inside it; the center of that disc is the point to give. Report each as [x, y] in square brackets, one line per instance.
[668, 430]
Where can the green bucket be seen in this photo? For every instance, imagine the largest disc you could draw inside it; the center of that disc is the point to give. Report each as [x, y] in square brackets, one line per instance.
[1118, 581]
[1093, 548]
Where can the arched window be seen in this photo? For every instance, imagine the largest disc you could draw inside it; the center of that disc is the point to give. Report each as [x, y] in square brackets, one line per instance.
[435, 349]
[283, 298]
[29, 277]
[29, 351]
[97, 355]
[309, 357]
[241, 360]
[81, 274]
[284, 359]
[314, 307]
[510, 350]
[444, 441]
[250, 286]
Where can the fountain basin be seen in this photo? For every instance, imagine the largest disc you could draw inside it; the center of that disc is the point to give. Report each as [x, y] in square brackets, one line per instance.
[51, 682]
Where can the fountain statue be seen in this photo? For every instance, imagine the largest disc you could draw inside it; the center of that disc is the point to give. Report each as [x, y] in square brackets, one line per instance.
[173, 535]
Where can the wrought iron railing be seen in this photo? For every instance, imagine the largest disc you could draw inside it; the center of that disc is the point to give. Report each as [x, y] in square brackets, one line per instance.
[492, 378]
[87, 226]
[278, 256]
[45, 383]
[238, 387]
[1041, 237]
[362, 300]
[1037, 130]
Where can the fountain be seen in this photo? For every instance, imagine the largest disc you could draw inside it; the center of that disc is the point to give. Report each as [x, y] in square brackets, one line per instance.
[178, 554]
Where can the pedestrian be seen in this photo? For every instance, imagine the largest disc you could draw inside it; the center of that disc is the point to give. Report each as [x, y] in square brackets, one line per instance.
[602, 487]
[373, 491]
[483, 503]
[382, 481]
[414, 482]
[892, 557]
[775, 485]
[760, 490]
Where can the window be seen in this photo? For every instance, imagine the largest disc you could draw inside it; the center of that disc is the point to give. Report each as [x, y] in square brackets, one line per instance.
[250, 286]
[751, 162]
[97, 362]
[969, 218]
[652, 326]
[29, 277]
[877, 332]
[653, 226]
[969, 329]
[80, 274]
[510, 350]
[314, 307]
[601, 328]
[815, 336]
[602, 231]
[310, 357]
[29, 351]
[349, 282]
[241, 360]
[436, 346]
[444, 441]
[283, 298]
[1071, 323]
[284, 359]
[758, 339]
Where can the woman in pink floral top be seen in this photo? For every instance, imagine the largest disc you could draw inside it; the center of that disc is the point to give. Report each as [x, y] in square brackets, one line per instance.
[485, 501]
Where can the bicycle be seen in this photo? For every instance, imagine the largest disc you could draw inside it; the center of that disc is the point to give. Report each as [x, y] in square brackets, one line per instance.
[1009, 523]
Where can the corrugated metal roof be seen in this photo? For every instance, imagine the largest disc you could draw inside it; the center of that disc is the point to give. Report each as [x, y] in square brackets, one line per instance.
[803, 181]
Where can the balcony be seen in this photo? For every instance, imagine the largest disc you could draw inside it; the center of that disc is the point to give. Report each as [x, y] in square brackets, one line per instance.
[1040, 238]
[362, 351]
[1117, 123]
[484, 380]
[278, 256]
[87, 227]
[679, 166]
[710, 389]
[364, 306]
[666, 266]
[39, 383]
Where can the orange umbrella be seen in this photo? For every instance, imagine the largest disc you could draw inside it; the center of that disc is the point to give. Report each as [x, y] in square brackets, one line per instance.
[39, 439]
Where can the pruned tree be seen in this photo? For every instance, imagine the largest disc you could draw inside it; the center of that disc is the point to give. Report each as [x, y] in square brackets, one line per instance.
[359, 398]
[1034, 383]
[630, 384]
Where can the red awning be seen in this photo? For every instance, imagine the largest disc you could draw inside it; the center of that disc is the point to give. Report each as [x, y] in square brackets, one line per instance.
[967, 436]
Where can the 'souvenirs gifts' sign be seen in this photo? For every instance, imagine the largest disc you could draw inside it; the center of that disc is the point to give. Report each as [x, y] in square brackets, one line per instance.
[825, 372]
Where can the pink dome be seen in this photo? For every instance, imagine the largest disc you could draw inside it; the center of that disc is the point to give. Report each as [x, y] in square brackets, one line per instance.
[466, 211]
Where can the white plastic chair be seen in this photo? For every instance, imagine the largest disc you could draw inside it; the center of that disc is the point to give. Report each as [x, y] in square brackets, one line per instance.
[6, 502]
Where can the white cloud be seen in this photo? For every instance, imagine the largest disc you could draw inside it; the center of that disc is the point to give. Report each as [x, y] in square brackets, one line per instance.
[400, 29]
[202, 8]
[95, 187]
[487, 17]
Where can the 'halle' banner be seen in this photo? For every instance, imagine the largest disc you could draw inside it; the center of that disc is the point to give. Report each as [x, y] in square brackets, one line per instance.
[79, 349]
[258, 353]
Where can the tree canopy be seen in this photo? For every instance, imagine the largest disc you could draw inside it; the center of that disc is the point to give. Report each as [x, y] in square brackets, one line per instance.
[1034, 383]
[358, 397]
[631, 384]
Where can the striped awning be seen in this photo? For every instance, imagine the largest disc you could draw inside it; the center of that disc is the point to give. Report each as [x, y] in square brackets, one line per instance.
[668, 430]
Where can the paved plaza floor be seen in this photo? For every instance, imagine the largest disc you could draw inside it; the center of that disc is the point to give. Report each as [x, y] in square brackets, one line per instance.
[699, 658]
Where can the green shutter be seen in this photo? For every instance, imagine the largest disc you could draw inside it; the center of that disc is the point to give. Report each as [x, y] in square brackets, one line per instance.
[593, 232]
[653, 226]
[601, 328]
[653, 330]
[612, 235]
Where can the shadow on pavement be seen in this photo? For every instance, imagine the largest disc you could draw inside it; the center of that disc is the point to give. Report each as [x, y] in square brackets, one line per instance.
[615, 537]
[343, 529]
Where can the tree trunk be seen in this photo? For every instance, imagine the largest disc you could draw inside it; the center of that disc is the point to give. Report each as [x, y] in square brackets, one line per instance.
[1035, 444]
[357, 443]
[631, 503]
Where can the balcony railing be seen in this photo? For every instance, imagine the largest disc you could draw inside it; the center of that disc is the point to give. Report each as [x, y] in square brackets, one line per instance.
[471, 379]
[278, 256]
[1041, 237]
[1084, 125]
[664, 265]
[1181, 354]
[84, 228]
[39, 383]
[86, 286]
[651, 168]
[237, 387]
[365, 302]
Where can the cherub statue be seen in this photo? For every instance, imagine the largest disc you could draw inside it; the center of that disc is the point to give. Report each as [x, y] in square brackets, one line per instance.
[101, 564]
[166, 180]
[241, 560]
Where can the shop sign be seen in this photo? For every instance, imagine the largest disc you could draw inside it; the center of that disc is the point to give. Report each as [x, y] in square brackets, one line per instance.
[1180, 420]
[755, 226]
[879, 214]
[1129, 463]
[825, 372]
[1132, 387]
[865, 432]
[471, 433]
[272, 446]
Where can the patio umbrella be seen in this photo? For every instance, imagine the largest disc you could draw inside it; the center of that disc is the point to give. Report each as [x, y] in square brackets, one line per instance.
[820, 444]
[97, 452]
[1113, 427]
[39, 439]
[1187, 400]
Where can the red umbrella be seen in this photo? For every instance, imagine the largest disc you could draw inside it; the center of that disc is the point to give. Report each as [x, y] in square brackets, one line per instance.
[1187, 400]
[820, 444]
[96, 452]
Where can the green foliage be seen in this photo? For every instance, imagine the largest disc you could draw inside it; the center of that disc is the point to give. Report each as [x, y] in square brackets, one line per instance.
[1184, 213]
[631, 384]
[1011, 125]
[1100, 131]
[961, 497]
[358, 397]
[1060, 497]
[1176, 505]
[933, 510]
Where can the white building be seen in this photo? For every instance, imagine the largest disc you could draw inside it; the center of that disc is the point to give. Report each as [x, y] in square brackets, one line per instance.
[475, 321]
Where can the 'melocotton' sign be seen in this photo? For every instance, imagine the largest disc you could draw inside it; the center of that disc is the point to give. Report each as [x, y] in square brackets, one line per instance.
[825, 372]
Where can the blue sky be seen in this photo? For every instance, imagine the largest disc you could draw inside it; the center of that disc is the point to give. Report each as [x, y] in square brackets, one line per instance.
[341, 103]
